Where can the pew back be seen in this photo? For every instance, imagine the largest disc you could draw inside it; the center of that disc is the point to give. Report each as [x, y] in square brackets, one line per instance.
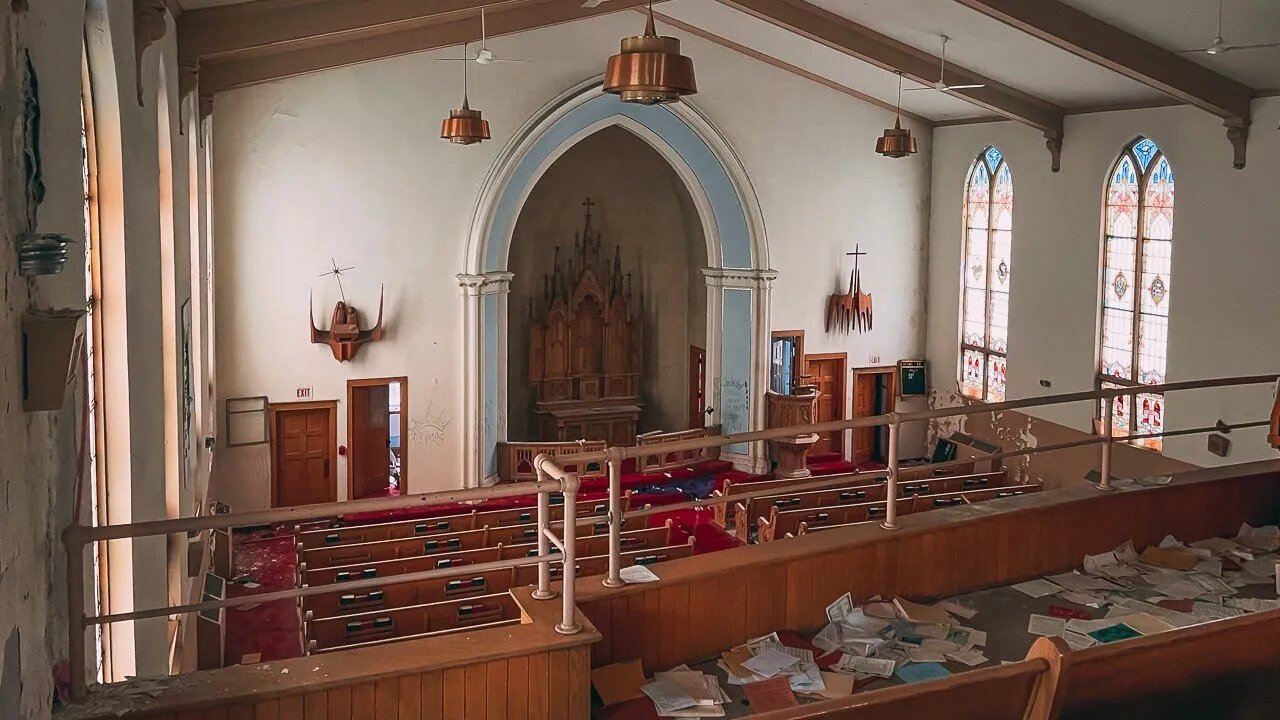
[407, 621]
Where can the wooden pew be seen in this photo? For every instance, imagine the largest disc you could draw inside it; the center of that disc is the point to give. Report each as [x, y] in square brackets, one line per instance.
[403, 638]
[781, 522]
[599, 564]
[387, 623]
[1031, 689]
[875, 491]
[359, 533]
[586, 545]
[390, 549]
[725, 511]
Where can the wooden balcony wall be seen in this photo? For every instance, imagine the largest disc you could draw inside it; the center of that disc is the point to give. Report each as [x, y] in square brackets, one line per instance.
[707, 603]
[522, 672]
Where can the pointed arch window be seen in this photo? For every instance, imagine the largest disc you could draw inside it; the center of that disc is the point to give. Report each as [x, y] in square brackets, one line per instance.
[1136, 285]
[984, 323]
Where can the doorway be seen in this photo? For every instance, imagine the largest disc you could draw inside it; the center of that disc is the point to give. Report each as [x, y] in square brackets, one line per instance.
[697, 387]
[303, 452]
[826, 372]
[874, 393]
[377, 463]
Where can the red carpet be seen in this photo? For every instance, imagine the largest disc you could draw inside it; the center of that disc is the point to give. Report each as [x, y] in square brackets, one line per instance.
[267, 557]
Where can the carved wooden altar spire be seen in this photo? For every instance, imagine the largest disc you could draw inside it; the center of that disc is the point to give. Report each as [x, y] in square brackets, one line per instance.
[585, 348]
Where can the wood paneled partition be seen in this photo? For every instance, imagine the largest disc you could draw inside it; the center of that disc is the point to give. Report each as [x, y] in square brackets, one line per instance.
[526, 672]
[705, 604]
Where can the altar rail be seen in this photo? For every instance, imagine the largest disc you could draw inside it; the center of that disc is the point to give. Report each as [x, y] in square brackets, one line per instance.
[669, 459]
[515, 459]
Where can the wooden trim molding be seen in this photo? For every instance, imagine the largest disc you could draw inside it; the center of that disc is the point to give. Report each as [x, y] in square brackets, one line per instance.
[314, 54]
[786, 67]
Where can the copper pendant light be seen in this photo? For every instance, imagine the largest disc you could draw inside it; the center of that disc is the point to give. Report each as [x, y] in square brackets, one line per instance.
[649, 69]
[464, 126]
[896, 142]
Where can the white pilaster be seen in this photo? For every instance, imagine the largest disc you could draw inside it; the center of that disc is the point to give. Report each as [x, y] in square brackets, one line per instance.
[480, 361]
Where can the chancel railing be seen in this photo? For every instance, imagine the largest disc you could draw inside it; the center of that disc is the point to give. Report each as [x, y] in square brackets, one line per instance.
[669, 459]
[515, 459]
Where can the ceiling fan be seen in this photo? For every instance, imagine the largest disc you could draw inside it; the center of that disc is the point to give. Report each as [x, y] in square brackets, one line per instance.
[941, 85]
[1220, 46]
[484, 56]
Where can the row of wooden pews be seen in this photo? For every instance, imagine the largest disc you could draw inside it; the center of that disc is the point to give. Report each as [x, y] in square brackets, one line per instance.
[857, 500]
[424, 608]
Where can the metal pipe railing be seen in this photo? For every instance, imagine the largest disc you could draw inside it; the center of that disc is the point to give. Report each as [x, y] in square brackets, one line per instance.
[548, 469]
[553, 478]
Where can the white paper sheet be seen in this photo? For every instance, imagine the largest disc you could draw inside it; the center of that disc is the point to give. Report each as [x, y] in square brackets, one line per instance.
[637, 574]
[1046, 625]
[1038, 588]
[668, 696]
[878, 667]
[770, 662]
[968, 656]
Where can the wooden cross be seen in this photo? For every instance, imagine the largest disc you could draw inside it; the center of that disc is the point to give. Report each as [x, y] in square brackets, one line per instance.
[856, 254]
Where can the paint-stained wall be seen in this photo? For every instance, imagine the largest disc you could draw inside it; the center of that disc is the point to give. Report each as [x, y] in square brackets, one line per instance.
[346, 164]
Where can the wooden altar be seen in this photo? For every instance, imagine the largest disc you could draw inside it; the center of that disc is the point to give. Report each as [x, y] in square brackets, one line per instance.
[586, 346]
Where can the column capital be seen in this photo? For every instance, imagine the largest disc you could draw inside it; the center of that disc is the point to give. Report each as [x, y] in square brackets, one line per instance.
[749, 278]
[485, 284]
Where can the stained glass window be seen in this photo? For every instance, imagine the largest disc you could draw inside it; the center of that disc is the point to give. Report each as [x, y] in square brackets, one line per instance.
[1137, 252]
[988, 260]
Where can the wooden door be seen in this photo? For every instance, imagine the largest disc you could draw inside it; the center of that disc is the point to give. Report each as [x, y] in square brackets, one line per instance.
[302, 445]
[864, 405]
[697, 387]
[370, 439]
[826, 373]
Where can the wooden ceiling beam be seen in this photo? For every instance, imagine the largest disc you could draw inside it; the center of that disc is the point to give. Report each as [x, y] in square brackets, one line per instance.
[219, 74]
[785, 66]
[273, 25]
[844, 35]
[1083, 35]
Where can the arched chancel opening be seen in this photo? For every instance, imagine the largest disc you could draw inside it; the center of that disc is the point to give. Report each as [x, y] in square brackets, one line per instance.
[737, 278]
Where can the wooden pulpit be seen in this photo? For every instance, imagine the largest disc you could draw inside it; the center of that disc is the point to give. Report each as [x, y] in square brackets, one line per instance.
[785, 411]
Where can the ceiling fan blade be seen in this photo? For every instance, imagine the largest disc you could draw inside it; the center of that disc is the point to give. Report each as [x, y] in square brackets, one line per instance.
[964, 87]
[470, 59]
[593, 3]
[1192, 50]
[915, 89]
[1254, 46]
[510, 60]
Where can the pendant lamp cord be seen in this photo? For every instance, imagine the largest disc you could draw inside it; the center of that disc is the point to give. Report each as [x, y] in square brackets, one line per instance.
[465, 106]
[898, 110]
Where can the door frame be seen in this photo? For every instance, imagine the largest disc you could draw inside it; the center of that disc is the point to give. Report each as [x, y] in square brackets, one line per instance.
[841, 406]
[404, 425]
[329, 405]
[801, 369]
[892, 372]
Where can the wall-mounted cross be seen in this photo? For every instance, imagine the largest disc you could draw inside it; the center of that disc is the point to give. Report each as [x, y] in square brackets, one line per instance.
[857, 252]
[337, 273]
[587, 205]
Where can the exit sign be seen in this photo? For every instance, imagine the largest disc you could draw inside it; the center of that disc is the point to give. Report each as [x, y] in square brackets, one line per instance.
[304, 392]
[874, 360]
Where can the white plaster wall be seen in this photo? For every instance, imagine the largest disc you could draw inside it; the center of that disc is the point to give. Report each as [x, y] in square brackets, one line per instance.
[646, 212]
[1224, 259]
[346, 163]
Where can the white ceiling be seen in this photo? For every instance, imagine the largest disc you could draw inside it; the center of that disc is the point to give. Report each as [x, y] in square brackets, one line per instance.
[993, 49]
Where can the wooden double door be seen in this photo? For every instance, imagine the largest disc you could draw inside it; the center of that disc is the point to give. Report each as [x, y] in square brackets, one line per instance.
[303, 450]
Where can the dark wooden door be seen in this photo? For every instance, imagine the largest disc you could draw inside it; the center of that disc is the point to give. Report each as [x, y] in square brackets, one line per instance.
[303, 443]
[864, 405]
[826, 373]
[370, 435]
[697, 387]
